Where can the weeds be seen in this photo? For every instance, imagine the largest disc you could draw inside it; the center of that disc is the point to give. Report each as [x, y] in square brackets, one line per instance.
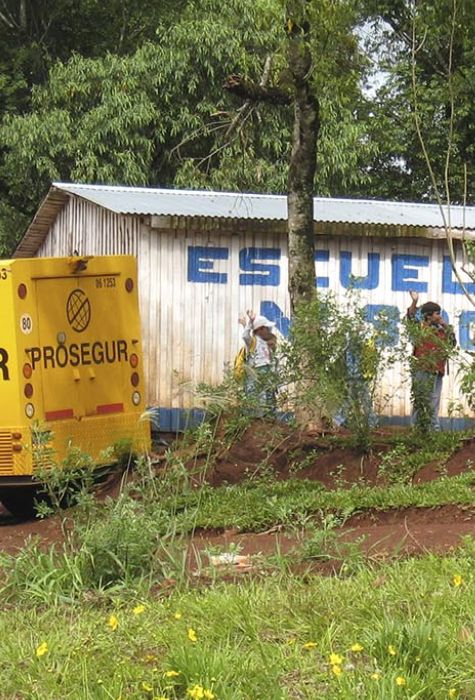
[408, 456]
[140, 535]
[334, 362]
[120, 589]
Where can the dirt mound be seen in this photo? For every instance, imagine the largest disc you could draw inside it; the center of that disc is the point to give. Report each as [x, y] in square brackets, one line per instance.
[277, 449]
[461, 461]
[330, 458]
[268, 448]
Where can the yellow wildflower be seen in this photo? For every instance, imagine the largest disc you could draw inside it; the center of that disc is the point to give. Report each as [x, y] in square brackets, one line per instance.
[336, 659]
[192, 634]
[139, 609]
[375, 676]
[160, 697]
[337, 670]
[197, 692]
[308, 645]
[457, 580]
[392, 650]
[357, 647]
[452, 693]
[42, 649]
[113, 622]
[178, 615]
[400, 680]
[147, 687]
[171, 674]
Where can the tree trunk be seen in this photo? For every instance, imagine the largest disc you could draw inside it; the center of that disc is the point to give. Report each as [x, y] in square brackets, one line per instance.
[301, 240]
[303, 163]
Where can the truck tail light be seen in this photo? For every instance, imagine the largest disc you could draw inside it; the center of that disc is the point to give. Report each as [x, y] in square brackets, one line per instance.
[134, 360]
[22, 291]
[135, 379]
[27, 370]
[28, 390]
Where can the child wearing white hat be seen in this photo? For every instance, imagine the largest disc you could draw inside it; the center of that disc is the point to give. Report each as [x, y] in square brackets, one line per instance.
[260, 345]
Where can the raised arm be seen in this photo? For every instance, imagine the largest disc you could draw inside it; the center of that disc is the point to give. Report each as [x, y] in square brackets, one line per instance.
[246, 323]
[411, 311]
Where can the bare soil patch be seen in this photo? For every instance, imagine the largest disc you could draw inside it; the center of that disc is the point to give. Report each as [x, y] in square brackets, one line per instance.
[291, 454]
[327, 457]
[378, 534]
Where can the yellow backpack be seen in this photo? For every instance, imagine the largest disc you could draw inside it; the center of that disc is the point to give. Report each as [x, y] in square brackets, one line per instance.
[240, 361]
[369, 359]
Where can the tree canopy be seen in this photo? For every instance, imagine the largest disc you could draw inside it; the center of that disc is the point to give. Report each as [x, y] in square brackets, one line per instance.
[126, 92]
[431, 43]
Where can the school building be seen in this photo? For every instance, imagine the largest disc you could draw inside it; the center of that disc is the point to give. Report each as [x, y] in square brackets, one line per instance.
[204, 257]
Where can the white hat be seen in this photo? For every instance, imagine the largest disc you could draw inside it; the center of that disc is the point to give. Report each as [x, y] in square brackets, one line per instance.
[260, 321]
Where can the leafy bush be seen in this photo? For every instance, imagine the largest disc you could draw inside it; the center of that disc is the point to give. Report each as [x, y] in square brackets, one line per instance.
[334, 360]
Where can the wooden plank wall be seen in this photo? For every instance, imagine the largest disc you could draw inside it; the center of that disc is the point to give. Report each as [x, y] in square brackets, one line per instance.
[190, 329]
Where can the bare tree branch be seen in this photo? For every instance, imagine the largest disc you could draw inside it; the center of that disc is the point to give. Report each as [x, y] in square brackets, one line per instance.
[247, 89]
[248, 105]
[446, 219]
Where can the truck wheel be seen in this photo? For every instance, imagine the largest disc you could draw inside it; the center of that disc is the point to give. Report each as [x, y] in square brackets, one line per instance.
[20, 501]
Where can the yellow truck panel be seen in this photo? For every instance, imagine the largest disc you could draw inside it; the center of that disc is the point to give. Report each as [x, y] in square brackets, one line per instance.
[70, 360]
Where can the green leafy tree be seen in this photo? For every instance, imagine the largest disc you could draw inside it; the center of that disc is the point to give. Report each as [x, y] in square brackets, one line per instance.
[443, 99]
[34, 36]
[159, 115]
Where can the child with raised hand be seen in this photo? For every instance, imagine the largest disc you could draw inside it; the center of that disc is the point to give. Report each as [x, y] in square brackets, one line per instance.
[433, 341]
[260, 344]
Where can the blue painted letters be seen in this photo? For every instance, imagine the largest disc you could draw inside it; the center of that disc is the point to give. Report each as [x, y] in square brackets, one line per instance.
[322, 256]
[268, 275]
[405, 274]
[467, 330]
[451, 286]
[200, 260]
[349, 281]
[274, 313]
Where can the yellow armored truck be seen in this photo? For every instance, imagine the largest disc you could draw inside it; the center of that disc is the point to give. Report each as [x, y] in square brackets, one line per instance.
[70, 365]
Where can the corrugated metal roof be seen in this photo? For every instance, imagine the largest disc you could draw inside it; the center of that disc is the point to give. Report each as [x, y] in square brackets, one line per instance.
[232, 205]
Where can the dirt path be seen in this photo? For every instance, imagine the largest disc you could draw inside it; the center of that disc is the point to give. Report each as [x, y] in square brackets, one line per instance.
[398, 532]
[401, 532]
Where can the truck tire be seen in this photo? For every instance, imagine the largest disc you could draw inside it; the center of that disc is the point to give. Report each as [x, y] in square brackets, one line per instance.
[19, 501]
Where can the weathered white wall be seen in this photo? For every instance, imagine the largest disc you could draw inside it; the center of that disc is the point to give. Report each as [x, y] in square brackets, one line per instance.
[194, 282]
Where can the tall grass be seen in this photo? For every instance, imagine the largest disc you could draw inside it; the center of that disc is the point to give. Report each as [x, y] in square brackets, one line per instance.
[142, 535]
[400, 630]
[113, 612]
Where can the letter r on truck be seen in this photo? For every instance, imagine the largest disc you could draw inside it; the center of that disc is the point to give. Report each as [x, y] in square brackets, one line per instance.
[4, 364]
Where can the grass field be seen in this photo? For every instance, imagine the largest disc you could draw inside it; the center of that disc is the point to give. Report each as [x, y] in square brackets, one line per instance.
[400, 630]
[113, 610]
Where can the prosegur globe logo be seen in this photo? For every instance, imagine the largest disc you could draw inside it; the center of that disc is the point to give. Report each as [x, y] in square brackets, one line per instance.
[78, 310]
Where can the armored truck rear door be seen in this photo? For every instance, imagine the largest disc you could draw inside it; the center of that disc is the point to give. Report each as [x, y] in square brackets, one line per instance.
[83, 355]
